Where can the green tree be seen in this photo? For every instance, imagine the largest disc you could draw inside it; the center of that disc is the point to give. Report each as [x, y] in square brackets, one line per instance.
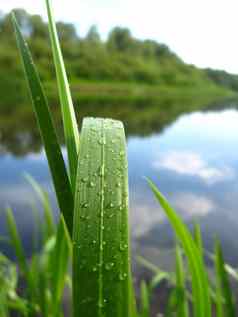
[120, 39]
[93, 35]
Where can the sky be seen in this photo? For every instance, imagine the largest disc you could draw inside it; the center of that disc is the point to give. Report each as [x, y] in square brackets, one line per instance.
[201, 32]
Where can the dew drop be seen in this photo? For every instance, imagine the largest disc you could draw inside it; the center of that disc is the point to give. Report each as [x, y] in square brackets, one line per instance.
[101, 142]
[111, 205]
[91, 184]
[109, 266]
[123, 247]
[122, 276]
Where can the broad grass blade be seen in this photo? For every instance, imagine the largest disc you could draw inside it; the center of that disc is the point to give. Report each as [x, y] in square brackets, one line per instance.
[200, 286]
[101, 263]
[225, 303]
[48, 134]
[67, 109]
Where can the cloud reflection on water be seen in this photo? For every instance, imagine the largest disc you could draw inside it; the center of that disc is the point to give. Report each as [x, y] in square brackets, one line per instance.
[192, 164]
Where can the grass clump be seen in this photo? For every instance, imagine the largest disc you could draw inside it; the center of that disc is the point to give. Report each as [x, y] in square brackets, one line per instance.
[93, 229]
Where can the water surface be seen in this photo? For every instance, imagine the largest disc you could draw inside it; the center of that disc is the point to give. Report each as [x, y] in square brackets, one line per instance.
[189, 151]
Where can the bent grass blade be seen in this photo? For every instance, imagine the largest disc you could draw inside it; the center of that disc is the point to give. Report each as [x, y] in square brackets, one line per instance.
[200, 286]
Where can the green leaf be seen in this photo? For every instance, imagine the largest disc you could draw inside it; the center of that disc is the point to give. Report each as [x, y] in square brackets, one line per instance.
[182, 309]
[48, 134]
[224, 300]
[67, 109]
[200, 286]
[148, 265]
[16, 243]
[59, 265]
[49, 227]
[159, 275]
[198, 238]
[101, 264]
[145, 300]
[19, 251]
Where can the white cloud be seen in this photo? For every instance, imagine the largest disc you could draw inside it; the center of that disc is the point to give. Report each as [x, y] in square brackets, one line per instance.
[191, 164]
[201, 32]
[143, 218]
[193, 205]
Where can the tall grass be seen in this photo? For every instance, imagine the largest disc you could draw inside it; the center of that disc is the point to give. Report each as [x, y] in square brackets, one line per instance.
[93, 199]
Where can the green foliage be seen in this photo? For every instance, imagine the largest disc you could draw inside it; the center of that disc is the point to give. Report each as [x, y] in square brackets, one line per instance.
[121, 57]
[200, 285]
[145, 300]
[224, 300]
[182, 305]
[223, 78]
[50, 278]
[109, 231]
[101, 279]
[45, 274]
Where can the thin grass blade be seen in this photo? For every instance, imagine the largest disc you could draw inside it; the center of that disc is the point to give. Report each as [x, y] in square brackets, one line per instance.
[48, 134]
[198, 238]
[16, 242]
[182, 310]
[200, 286]
[224, 293]
[49, 226]
[145, 300]
[101, 264]
[59, 265]
[19, 251]
[67, 109]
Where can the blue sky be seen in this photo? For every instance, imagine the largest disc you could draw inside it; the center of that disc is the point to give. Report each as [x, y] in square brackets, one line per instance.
[202, 32]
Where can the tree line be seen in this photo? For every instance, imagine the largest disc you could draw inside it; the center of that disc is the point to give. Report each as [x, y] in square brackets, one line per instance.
[120, 58]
